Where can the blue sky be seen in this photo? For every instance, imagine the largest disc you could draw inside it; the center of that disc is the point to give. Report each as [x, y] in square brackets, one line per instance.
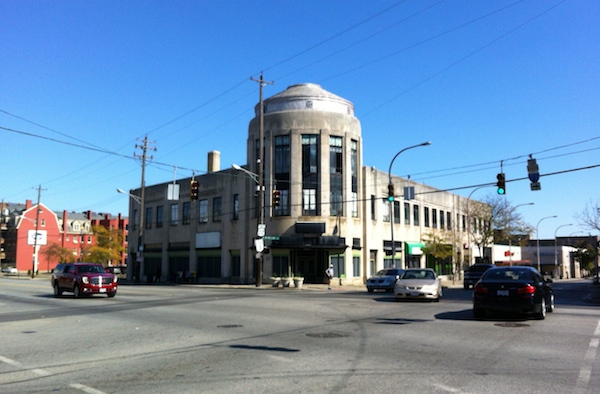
[487, 82]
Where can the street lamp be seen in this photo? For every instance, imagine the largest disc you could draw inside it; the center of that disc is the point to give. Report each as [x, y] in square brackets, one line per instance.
[537, 235]
[469, 223]
[260, 220]
[556, 248]
[510, 234]
[391, 187]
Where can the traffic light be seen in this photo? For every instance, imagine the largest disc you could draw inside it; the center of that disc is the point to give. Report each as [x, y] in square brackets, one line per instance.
[501, 183]
[276, 198]
[391, 192]
[194, 185]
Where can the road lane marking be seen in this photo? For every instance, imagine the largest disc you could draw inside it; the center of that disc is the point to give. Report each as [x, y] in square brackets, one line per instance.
[42, 372]
[585, 373]
[86, 389]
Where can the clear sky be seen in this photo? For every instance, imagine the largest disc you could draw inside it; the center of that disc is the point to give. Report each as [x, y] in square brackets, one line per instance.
[487, 82]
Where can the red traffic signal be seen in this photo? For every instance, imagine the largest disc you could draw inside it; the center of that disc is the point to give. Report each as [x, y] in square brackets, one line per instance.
[276, 198]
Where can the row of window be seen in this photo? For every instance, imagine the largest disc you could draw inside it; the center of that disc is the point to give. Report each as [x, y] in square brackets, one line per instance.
[432, 217]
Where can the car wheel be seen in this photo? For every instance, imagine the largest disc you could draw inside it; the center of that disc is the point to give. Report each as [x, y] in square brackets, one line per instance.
[550, 305]
[542, 313]
[57, 290]
[479, 313]
[76, 291]
[111, 295]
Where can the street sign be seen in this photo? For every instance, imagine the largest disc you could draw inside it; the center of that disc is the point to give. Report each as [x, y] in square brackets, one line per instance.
[536, 186]
[271, 238]
[260, 232]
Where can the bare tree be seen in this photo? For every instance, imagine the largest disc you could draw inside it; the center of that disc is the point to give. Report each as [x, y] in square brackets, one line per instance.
[590, 216]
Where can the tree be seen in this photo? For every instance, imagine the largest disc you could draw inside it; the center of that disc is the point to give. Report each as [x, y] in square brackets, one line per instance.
[109, 246]
[506, 221]
[590, 216]
[56, 253]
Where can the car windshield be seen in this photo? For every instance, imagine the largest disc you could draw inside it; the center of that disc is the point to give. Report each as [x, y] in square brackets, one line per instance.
[389, 272]
[97, 269]
[508, 275]
[418, 274]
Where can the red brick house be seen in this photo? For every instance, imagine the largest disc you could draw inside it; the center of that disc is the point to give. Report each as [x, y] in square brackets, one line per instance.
[69, 230]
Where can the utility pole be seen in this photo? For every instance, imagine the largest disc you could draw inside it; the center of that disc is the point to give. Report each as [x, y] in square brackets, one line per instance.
[261, 202]
[139, 258]
[35, 239]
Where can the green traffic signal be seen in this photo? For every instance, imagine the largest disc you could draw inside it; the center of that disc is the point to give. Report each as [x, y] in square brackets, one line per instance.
[501, 183]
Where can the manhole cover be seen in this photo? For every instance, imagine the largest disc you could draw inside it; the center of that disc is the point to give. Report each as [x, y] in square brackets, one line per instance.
[230, 326]
[326, 335]
[510, 325]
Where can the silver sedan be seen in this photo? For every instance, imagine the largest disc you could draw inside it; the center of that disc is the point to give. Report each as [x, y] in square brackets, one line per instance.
[418, 283]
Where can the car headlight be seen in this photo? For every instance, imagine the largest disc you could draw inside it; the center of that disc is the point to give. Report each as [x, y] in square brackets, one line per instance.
[85, 280]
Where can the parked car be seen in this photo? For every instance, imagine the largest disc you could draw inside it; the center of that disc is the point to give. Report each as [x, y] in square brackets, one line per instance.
[384, 279]
[83, 279]
[521, 290]
[473, 274]
[418, 283]
[10, 271]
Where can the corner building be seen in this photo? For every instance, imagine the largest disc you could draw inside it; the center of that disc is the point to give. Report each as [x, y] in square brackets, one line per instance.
[330, 209]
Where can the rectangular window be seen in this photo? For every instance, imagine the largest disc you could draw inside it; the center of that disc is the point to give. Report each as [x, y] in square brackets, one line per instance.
[354, 165]
[148, 217]
[281, 266]
[310, 174]
[356, 266]
[386, 211]
[426, 216]
[434, 218]
[159, 216]
[406, 213]
[309, 202]
[335, 177]
[442, 220]
[282, 174]
[415, 215]
[354, 203]
[135, 221]
[203, 211]
[373, 207]
[174, 214]
[236, 206]
[338, 265]
[217, 207]
[448, 221]
[187, 212]
[235, 265]
[396, 211]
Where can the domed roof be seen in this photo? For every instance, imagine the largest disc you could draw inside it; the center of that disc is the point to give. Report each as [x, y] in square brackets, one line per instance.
[306, 97]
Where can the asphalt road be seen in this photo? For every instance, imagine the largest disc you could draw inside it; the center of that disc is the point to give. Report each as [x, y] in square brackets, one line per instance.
[209, 339]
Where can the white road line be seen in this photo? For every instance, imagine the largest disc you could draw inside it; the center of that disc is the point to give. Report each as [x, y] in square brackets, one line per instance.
[17, 364]
[585, 372]
[42, 372]
[86, 389]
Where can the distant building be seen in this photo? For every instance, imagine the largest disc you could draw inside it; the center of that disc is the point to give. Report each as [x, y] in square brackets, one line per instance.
[73, 231]
[321, 207]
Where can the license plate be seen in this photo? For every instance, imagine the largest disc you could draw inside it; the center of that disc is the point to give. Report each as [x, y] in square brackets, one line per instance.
[502, 293]
[103, 290]
[414, 294]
